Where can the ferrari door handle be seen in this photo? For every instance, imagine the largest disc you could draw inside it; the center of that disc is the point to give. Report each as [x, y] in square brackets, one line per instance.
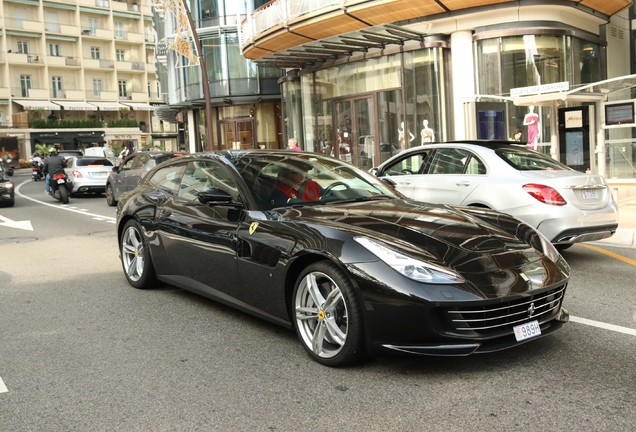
[463, 183]
[403, 183]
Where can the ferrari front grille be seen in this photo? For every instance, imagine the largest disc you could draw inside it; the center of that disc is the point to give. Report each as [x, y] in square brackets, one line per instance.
[492, 318]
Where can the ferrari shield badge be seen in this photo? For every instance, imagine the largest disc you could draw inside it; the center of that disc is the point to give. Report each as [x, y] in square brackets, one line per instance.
[253, 227]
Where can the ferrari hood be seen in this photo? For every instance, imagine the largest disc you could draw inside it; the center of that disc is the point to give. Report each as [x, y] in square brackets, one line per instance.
[419, 224]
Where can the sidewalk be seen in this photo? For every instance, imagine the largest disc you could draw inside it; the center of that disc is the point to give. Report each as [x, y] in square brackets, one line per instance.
[626, 233]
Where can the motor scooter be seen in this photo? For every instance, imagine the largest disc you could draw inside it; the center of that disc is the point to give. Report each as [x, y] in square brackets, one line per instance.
[61, 187]
[9, 167]
[36, 174]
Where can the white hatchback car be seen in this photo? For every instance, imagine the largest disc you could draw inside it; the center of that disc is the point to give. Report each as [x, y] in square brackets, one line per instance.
[567, 206]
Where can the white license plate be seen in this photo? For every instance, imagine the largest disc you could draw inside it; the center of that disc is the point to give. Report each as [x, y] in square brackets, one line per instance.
[61, 181]
[590, 194]
[526, 331]
[100, 174]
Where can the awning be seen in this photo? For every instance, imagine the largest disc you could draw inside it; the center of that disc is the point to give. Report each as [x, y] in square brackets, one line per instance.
[58, 5]
[595, 92]
[126, 15]
[108, 106]
[38, 104]
[90, 139]
[95, 11]
[50, 140]
[137, 106]
[75, 106]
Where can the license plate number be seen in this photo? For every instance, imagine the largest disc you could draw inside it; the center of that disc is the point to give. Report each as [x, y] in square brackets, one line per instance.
[100, 174]
[590, 194]
[61, 181]
[526, 331]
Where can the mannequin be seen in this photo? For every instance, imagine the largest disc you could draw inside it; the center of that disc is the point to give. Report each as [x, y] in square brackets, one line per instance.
[532, 121]
[427, 134]
[401, 138]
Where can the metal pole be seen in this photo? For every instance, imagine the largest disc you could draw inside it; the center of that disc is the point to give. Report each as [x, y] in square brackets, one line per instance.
[206, 85]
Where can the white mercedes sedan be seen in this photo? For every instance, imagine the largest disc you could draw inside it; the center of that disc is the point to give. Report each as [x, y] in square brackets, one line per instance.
[565, 205]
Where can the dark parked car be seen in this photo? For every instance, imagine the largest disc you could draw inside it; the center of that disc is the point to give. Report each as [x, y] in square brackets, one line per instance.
[7, 193]
[310, 242]
[127, 175]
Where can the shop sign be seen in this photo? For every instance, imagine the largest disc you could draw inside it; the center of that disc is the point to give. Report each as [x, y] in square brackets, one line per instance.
[574, 119]
[539, 89]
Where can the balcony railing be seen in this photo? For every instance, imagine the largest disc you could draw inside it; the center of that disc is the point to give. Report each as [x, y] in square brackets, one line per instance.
[100, 94]
[91, 63]
[21, 58]
[23, 24]
[31, 92]
[278, 12]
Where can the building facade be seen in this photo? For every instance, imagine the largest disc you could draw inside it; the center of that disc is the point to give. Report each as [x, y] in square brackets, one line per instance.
[367, 79]
[245, 100]
[79, 73]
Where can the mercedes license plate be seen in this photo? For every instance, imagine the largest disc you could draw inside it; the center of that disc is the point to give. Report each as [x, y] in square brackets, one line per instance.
[589, 193]
[61, 181]
[527, 330]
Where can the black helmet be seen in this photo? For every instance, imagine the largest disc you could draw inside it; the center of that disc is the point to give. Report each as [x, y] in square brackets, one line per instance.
[36, 155]
[52, 151]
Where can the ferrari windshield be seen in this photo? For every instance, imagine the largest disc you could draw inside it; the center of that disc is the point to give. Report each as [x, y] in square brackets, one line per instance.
[285, 179]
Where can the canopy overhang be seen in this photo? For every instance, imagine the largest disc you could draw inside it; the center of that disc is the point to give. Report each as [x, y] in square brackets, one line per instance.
[90, 139]
[108, 106]
[38, 104]
[75, 106]
[139, 106]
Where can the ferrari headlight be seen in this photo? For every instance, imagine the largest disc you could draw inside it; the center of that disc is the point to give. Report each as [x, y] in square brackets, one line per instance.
[410, 267]
[7, 185]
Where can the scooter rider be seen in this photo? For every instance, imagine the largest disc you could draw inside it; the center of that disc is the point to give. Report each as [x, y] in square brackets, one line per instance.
[53, 164]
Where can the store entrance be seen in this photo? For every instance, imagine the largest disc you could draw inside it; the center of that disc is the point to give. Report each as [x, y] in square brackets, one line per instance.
[237, 134]
[355, 131]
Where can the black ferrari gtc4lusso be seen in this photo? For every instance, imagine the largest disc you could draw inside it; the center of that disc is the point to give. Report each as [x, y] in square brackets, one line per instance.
[311, 242]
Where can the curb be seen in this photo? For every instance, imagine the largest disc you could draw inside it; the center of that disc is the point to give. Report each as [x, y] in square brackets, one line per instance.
[624, 237]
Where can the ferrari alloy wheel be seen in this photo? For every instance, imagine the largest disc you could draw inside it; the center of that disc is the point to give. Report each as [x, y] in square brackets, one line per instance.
[135, 257]
[327, 316]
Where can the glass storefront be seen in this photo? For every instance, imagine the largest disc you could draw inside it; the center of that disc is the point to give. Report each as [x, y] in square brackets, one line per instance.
[366, 111]
[508, 62]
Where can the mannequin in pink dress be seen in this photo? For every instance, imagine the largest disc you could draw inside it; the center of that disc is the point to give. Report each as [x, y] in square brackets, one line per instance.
[532, 121]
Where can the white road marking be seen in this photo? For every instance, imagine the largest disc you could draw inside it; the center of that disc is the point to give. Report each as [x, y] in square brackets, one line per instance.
[603, 325]
[61, 207]
[3, 388]
[23, 225]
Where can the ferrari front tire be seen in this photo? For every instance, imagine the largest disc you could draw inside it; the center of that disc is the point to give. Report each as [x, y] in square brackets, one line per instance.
[327, 315]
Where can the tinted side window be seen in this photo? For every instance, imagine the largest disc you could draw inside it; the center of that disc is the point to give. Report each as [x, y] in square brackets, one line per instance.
[449, 161]
[128, 163]
[410, 165]
[168, 179]
[201, 175]
[140, 161]
[475, 166]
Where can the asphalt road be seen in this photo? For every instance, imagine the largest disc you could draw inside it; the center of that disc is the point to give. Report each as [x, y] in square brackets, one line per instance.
[81, 350]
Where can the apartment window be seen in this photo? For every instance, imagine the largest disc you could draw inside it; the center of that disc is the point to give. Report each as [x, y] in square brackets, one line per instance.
[54, 50]
[120, 55]
[23, 47]
[25, 85]
[119, 30]
[123, 92]
[95, 53]
[56, 87]
[92, 26]
[97, 88]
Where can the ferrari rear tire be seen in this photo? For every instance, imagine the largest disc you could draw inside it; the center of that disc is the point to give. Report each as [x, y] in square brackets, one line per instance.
[110, 196]
[327, 315]
[135, 257]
